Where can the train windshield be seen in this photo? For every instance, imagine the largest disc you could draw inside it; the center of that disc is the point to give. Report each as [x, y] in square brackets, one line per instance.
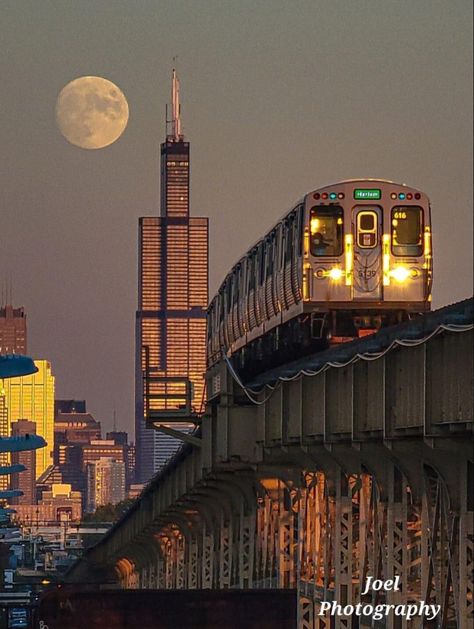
[326, 229]
[407, 237]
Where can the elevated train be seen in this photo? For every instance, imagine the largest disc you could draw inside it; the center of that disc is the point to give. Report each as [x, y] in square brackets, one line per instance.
[348, 259]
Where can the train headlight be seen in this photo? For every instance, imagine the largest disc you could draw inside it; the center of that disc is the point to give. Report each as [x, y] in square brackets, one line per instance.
[336, 274]
[400, 273]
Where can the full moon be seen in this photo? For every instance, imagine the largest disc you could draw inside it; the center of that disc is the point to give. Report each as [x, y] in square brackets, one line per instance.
[91, 112]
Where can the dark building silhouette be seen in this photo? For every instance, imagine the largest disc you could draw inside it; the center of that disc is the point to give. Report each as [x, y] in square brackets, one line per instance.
[69, 406]
[120, 437]
[172, 300]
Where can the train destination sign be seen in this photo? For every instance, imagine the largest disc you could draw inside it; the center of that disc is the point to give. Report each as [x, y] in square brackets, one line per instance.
[367, 193]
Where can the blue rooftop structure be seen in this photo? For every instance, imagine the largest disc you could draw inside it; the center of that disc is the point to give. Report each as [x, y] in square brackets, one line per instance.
[10, 493]
[12, 469]
[14, 365]
[20, 444]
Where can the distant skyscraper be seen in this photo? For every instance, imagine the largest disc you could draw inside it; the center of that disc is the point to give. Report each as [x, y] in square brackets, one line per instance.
[26, 480]
[12, 330]
[130, 464]
[4, 428]
[105, 483]
[74, 428]
[121, 438]
[12, 341]
[32, 398]
[172, 298]
[102, 448]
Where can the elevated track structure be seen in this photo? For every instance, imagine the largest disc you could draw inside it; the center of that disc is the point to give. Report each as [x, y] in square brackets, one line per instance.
[351, 463]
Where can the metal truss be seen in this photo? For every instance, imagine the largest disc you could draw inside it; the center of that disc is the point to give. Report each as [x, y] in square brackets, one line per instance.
[326, 539]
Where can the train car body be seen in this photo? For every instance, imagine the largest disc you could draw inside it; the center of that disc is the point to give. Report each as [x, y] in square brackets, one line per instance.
[346, 260]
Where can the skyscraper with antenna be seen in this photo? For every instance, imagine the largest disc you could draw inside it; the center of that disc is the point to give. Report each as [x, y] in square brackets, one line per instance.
[172, 297]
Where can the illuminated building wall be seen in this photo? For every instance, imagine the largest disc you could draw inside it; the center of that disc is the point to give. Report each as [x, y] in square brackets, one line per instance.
[58, 504]
[32, 397]
[4, 456]
[105, 483]
[102, 448]
[172, 299]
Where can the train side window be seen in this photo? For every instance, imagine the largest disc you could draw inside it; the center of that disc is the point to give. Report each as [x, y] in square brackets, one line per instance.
[236, 284]
[299, 228]
[220, 309]
[251, 270]
[269, 250]
[211, 321]
[261, 262]
[326, 230]
[289, 238]
[367, 228]
[228, 294]
[279, 246]
[407, 231]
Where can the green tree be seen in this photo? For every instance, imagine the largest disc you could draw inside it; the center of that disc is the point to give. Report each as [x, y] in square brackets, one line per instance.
[108, 512]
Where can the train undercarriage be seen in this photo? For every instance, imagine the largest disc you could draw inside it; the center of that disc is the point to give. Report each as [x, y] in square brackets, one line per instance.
[310, 333]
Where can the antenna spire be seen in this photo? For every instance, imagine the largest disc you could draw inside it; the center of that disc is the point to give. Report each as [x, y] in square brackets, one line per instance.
[176, 134]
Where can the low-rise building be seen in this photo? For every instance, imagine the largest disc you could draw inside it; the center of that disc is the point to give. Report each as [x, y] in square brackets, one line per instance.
[60, 504]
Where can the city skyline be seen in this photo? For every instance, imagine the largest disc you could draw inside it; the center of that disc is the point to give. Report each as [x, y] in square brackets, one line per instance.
[277, 102]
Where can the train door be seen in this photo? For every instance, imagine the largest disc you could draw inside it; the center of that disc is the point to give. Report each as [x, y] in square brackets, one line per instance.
[368, 270]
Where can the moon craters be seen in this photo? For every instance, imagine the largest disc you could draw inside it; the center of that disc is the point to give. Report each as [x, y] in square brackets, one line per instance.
[91, 112]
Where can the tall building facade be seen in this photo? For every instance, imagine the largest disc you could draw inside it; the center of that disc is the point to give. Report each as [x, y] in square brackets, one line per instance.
[12, 341]
[120, 437]
[12, 330]
[105, 483]
[32, 397]
[4, 431]
[172, 300]
[24, 481]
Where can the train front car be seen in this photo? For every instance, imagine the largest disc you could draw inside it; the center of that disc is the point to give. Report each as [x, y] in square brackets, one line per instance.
[367, 257]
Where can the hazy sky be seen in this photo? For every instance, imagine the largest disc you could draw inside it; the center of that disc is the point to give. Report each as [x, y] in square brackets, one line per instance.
[278, 97]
